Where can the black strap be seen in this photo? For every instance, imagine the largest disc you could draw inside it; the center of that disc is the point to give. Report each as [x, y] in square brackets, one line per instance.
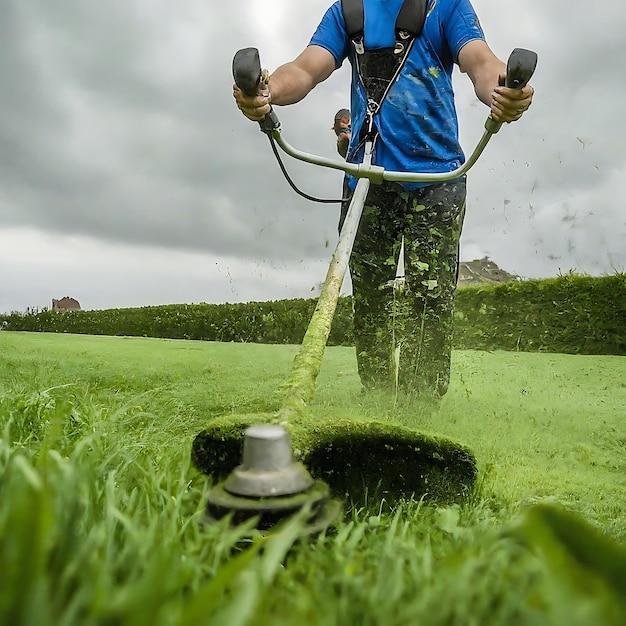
[410, 19]
[408, 27]
[354, 17]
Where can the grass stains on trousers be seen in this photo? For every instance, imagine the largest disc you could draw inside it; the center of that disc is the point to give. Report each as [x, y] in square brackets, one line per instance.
[418, 321]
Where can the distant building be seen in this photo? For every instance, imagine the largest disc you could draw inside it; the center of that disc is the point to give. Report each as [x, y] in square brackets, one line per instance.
[483, 272]
[65, 304]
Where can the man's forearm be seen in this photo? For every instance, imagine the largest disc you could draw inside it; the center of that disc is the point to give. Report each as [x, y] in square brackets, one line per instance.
[486, 80]
[293, 81]
[289, 84]
[483, 67]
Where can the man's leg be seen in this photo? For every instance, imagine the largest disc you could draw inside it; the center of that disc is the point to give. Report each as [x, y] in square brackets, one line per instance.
[372, 269]
[433, 229]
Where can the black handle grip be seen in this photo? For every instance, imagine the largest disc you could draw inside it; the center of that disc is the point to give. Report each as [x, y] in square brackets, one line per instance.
[247, 75]
[520, 68]
[247, 70]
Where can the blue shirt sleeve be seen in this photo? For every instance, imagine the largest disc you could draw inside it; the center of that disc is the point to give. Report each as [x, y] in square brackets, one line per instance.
[331, 34]
[461, 25]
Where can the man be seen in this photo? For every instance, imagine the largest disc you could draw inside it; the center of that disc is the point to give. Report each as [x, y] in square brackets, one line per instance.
[403, 339]
[343, 129]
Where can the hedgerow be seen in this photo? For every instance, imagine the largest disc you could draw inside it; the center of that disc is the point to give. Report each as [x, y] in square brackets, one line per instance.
[569, 314]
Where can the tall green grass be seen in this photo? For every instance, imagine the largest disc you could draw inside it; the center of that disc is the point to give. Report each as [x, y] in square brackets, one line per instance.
[101, 514]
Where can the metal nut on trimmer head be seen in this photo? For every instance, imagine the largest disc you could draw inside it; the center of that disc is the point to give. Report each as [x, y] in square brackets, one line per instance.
[268, 485]
[267, 468]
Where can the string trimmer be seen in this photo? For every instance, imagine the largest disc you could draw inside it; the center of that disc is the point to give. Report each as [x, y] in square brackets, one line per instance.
[346, 457]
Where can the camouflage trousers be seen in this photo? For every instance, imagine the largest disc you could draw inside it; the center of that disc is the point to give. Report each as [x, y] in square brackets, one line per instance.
[403, 332]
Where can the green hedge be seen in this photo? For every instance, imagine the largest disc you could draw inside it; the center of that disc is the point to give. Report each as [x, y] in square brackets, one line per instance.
[570, 314]
[282, 321]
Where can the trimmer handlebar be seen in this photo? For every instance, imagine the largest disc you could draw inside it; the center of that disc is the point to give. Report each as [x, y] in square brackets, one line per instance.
[249, 78]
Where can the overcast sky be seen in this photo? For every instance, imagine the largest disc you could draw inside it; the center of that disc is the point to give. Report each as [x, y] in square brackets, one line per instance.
[128, 176]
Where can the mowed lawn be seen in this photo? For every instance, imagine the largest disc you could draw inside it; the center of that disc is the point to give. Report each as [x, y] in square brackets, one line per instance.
[105, 425]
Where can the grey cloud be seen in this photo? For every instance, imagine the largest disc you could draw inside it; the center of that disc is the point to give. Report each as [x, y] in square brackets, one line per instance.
[155, 160]
[117, 122]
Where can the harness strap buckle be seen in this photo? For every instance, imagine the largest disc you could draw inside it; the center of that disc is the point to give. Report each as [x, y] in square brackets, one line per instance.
[358, 44]
[399, 48]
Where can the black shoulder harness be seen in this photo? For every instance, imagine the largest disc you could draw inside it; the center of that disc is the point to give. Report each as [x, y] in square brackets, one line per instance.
[409, 22]
[379, 69]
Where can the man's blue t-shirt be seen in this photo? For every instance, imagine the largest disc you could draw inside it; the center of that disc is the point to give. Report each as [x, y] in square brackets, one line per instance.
[417, 123]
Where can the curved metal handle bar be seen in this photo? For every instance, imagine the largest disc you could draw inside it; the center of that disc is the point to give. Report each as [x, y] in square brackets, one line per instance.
[247, 72]
[377, 174]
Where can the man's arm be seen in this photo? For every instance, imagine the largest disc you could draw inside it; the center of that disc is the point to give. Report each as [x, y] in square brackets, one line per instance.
[487, 72]
[289, 83]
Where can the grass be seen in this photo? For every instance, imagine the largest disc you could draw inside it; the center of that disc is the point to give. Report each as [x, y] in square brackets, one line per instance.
[101, 511]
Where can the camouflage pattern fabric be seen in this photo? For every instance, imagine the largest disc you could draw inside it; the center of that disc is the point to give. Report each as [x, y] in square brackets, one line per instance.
[403, 336]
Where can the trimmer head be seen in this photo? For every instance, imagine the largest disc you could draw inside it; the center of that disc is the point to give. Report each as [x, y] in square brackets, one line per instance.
[357, 459]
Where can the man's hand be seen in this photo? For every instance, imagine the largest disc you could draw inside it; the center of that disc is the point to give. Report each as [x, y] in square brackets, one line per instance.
[255, 108]
[508, 105]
